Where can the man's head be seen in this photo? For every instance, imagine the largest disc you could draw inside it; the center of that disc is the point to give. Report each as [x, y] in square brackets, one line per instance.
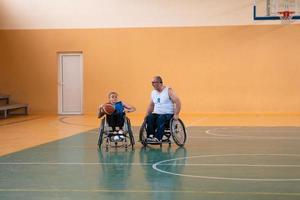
[157, 83]
[113, 97]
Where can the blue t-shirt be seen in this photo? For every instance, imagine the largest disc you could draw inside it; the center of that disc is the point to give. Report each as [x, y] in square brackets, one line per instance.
[119, 107]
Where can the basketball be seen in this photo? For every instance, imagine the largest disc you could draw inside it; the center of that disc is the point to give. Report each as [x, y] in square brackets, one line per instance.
[108, 108]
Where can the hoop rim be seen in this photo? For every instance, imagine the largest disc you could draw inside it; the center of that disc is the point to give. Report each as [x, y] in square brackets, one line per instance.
[286, 14]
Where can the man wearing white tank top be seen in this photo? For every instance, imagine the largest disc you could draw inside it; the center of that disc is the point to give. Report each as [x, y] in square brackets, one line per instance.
[163, 106]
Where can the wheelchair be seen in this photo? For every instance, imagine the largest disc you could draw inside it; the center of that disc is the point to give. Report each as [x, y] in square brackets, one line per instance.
[174, 129]
[110, 138]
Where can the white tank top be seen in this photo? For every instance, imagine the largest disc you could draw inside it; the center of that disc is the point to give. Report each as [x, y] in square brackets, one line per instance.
[162, 102]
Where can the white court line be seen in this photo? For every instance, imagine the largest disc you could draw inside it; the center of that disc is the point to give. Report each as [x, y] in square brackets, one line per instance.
[145, 164]
[196, 121]
[210, 132]
[150, 191]
[155, 167]
[232, 165]
[241, 137]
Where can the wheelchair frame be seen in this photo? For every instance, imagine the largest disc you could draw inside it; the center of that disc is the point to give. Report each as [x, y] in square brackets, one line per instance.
[106, 134]
[171, 129]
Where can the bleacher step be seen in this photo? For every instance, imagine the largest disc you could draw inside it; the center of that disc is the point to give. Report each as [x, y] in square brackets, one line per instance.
[10, 107]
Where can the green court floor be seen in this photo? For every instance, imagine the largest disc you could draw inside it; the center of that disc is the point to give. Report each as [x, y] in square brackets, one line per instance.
[216, 163]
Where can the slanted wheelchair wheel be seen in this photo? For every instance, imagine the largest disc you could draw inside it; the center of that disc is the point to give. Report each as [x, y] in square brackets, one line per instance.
[101, 132]
[143, 134]
[130, 133]
[178, 132]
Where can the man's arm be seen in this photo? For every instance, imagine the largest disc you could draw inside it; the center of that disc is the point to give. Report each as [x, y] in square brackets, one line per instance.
[150, 108]
[177, 103]
[128, 108]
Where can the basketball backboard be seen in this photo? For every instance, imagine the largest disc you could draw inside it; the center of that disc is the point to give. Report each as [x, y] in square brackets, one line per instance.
[276, 9]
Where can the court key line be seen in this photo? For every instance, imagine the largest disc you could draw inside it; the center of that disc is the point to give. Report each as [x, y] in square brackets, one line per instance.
[149, 191]
[62, 120]
[155, 167]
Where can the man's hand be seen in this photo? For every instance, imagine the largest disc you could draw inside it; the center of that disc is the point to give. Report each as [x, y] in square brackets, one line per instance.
[176, 116]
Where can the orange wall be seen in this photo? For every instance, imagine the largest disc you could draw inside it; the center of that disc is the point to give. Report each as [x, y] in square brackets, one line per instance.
[1, 65]
[212, 69]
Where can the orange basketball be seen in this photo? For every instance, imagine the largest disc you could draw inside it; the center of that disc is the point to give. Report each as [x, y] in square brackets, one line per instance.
[108, 108]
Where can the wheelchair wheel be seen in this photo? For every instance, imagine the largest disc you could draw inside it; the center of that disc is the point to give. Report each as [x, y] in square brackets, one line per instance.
[143, 134]
[101, 132]
[130, 133]
[178, 132]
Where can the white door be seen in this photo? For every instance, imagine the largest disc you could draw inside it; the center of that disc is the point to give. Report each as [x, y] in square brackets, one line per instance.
[70, 83]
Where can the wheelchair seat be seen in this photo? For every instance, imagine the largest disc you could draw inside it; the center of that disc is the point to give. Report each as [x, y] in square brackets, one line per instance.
[113, 138]
[175, 129]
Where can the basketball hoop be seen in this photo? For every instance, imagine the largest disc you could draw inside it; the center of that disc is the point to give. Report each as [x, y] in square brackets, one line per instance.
[286, 16]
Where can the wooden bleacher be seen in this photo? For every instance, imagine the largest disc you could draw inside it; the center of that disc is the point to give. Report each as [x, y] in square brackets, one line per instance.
[8, 107]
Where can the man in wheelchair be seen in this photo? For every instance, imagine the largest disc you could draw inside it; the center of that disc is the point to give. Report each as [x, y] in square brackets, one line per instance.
[115, 126]
[164, 106]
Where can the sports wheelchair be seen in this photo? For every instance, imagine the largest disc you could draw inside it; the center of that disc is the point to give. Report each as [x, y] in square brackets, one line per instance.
[116, 139]
[174, 128]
